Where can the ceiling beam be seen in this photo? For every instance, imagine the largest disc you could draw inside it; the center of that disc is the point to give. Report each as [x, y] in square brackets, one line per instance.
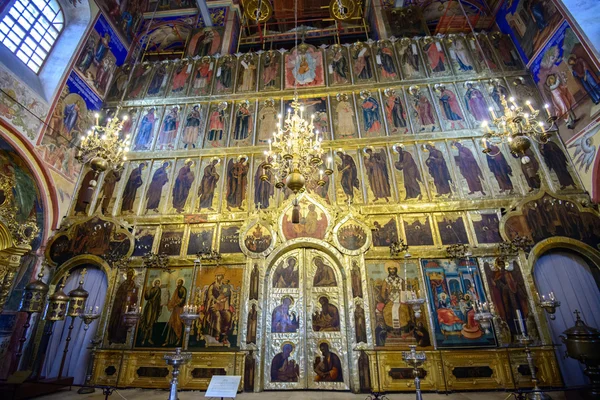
[204, 12]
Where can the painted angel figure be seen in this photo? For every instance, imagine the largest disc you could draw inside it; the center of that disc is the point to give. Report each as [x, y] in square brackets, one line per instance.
[585, 150]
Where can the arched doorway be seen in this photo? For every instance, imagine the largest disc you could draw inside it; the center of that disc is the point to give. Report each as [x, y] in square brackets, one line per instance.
[96, 283]
[575, 282]
[305, 323]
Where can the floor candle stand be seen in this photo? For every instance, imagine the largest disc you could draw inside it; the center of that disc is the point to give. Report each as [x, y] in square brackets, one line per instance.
[537, 393]
[176, 360]
[415, 359]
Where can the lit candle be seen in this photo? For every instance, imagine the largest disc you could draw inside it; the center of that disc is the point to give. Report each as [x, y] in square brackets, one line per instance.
[485, 143]
[521, 324]
[97, 117]
[329, 161]
[491, 110]
[140, 309]
[96, 309]
[321, 173]
[547, 107]
[530, 106]
[552, 296]
[269, 141]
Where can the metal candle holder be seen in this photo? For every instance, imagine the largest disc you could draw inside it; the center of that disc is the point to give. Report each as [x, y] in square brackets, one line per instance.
[550, 307]
[415, 359]
[87, 388]
[537, 393]
[32, 302]
[131, 317]
[484, 317]
[176, 360]
[188, 317]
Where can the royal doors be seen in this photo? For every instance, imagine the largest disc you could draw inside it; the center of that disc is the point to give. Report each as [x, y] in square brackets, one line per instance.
[306, 346]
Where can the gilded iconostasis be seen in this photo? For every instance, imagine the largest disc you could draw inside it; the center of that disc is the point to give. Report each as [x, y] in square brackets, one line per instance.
[319, 304]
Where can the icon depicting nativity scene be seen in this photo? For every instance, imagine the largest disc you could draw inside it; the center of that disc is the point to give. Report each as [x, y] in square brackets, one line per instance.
[371, 197]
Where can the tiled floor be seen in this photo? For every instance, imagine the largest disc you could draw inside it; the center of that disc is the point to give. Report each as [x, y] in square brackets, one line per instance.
[151, 394]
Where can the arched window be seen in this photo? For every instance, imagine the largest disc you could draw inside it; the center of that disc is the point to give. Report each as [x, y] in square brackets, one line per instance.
[30, 29]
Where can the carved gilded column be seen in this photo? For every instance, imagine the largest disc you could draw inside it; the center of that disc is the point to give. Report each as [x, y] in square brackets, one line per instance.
[10, 259]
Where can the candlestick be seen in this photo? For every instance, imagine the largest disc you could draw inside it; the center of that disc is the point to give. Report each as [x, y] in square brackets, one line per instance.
[547, 107]
[491, 110]
[521, 324]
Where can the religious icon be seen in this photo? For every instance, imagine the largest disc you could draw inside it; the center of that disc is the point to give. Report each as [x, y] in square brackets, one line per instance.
[385, 60]
[377, 173]
[125, 300]
[356, 280]
[254, 285]
[423, 112]
[286, 274]
[170, 241]
[410, 60]
[509, 295]
[395, 112]
[372, 123]
[360, 326]
[344, 117]
[328, 319]
[438, 170]
[264, 189]
[218, 123]
[475, 103]
[482, 52]
[507, 54]
[237, 182]
[284, 369]
[168, 130]
[139, 79]
[411, 173]
[158, 84]
[459, 54]
[417, 228]
[324, 275]
[362, 64]
[86, 191]
[267, 121]
[525, 90]
[313, 223]
[179, 81]
[557, 164]
[249, 367]
[175, 306]
[469, 168]
[486, 226]
[384, 231]
[396, 323]
[455, 291]
[452, 228]
[435, 57]
[351, 236]
[128, 125]
[451, 114]
[119, 83]
[304, 67]
[230, 240]
[364, 373]
[204, 42]
[183, 184]
[283, 320]
[111, 179]
[134, 182]
[200, 240]
[145, 130]
[202, 77]
[338, 68]
[247, 74]
[151, 312]
[225, 75]
[499, 167]
[497, 91]
[328, 368]
[243, 127]
[144, 238]
[208, 184]
[258, 239]
[348, 175]
[270, 71]
[251, 325]
[194, 121]
[531, 170]
[160, 177]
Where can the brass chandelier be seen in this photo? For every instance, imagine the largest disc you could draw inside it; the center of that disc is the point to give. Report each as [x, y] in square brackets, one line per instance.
[517, 126]
[103, 148]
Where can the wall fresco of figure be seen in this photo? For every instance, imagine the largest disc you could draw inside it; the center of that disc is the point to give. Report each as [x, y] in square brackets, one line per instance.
[163, 298]
[126, 298]
[348, 184]
[460, 56]
[435, 57]
[440, 179]
[139, 80]
[344, 116]
[555, 159]
[486, 224]
[506, 52]
[157, 86]
[455, 290]
[317, 106]
[395, 323]
[270, 71]
[264, 185]
[474, 102]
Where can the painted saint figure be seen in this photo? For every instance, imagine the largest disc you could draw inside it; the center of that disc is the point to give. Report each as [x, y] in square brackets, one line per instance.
[324, 275]
[461, 55]
[586, 76]
[531, 170]
[180, 76]
[557, 162]
[270, 70]
[225, 75]
[175, 324]
[182, 186]
[85, 193]
[360, 326]
[202, 77]
[125, 300]
[282, 321]
[371, 115]
[154, 193]
[243, 122]
[562, 99]
[450, 108]
[499, 167]
[133, 184]
[438, 170]
[151, 312]
[328, 319]
[158, 81]
[377, 172]
[264, 189]
[267, 122]
[362, 63]
[191, 129]
[237, 181]
[386, 62]
[143, 140]
[475, 103]
[395, 113]
[348, 175]
[251, 325]
[247, 75]
[339, 66]
[216, 126]
[108, 188]
[166, 137]
[217, 306]
[345, 119]
[208, 184]
[286, 276]
[284, 369]
[469, 169]
[412, 174]
[436, 56]
[328, 368]
[424, 112]
[497, 94]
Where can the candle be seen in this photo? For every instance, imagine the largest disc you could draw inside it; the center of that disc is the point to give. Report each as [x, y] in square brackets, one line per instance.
[96, 309]
[485, 144]
[543, 297]
[269, 141]
[140, 309]
[491, 109]
[529, 105]
[552, 296]
[521, 324]
[547, 107]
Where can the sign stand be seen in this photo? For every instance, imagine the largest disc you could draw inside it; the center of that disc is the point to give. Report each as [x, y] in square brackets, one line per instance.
[223, 386]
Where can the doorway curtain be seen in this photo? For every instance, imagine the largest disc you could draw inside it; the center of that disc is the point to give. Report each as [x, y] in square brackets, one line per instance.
[570, 277]
[76, 363]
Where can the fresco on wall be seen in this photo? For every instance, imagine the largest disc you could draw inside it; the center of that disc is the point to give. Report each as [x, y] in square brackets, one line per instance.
[264, 185]
[417, 229]
[529, 22]
[460, 56]
[395, 323]
[126, 16]
[157, 86]
[501, 173]
[455, 290]
[475, 102]
[509, 295]
[343, 116]
[525, 89]
[568, 80]
[584, 155]
[102, 53]
[304, 67]
[71, 118]
[204, 42]
[409, 177]
[201, 239]
[217, 294]
[201, 80]
[193, 123]
[13, 94]
[163, 297]
[362, 63]
[119, 83]
[560, 168]
[270, 71]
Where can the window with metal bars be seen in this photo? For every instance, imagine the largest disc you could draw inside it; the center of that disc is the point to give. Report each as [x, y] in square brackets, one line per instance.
[30, 29]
